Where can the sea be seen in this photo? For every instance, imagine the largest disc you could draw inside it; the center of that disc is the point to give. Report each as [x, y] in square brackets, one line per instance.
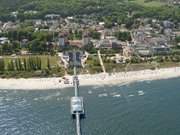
[141, 108]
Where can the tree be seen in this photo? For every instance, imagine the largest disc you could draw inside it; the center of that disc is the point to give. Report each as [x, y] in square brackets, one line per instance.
[177, 39]
[89, 47]
[135, 59]
[48, 64]
[7, 49]
[10, 66]
[2, 65]
[37, 46]
[17, 65]
[20, 64]
[16, 46]
[129, 23]
[123, 36]
[95, 35]
[38, 63]
[78, 34]
[1, 50]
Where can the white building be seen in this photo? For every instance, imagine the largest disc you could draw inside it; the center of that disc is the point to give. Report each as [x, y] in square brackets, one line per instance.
[61, 41]
[86, 40]
[4, 40]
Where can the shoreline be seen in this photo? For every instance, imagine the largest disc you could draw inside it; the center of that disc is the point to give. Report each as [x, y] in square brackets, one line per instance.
[90, 80]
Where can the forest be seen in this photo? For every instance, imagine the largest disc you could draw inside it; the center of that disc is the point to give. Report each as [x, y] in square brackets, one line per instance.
[114, 9]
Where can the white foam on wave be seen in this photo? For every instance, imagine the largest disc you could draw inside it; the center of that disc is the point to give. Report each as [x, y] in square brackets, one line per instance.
[131, 95]
[140, 93]
[96, 87]
[5, 91]
[58, 94]
[105, 89]
[118, 95]
[36, 99]
[45, 98]
[115, 94]
[8, 99]
[103, 95]
[89, 92]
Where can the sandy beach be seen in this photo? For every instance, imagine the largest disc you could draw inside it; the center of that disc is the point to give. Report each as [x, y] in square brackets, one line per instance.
[86, 80]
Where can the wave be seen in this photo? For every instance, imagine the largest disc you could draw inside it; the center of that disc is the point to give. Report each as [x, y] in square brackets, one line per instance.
[140, 93]
[118, 95]
[103, 95]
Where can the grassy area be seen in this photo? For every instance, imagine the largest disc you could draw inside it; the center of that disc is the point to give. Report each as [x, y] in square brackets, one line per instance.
[92, 65]
[169, 64]
[54, 68]
[53, 60]
[152, 3]
[111, 66]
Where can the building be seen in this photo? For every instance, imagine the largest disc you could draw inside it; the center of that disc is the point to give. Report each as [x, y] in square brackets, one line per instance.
[61, 40]
[128, 51]
[4, 40]
[9, 26]
[15, 13]
[169, 34]
[160, 50]
[139, 36]
[143, 50]
[86, 40]
[31, 12]
[105, 44]
[176, 2]
[69, 57]
[76, 43]
[52, 16]
[24, 43]
[168, 24]
[117, 45]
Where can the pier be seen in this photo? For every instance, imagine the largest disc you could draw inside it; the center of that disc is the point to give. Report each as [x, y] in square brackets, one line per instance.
[77, 105]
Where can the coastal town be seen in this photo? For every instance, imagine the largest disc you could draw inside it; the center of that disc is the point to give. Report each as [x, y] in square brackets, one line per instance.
[41, 47]
[151, 40]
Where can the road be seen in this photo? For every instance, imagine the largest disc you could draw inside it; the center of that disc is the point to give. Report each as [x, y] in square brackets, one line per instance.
[101, 61]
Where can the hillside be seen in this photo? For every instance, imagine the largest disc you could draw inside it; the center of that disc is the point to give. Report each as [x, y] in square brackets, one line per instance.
[63, 7]
[116, 8]
[68, 6]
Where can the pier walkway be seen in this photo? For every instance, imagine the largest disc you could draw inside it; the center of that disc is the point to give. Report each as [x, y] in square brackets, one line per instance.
[77, 105]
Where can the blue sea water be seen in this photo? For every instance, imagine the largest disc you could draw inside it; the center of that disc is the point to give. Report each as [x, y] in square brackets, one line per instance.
[142, 108]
